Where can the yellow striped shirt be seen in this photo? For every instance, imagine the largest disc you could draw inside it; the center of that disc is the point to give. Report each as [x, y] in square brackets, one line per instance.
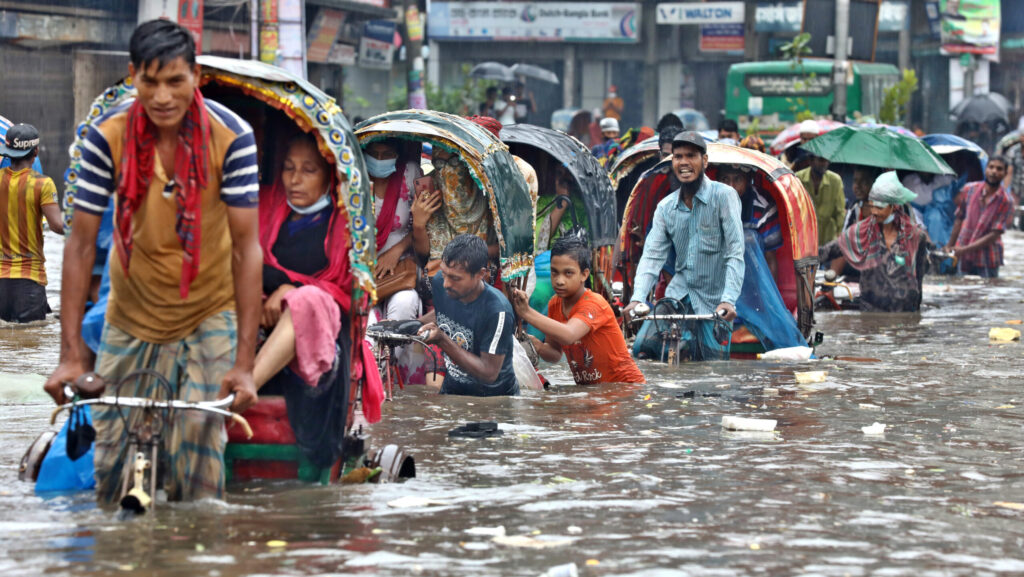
[22, 197]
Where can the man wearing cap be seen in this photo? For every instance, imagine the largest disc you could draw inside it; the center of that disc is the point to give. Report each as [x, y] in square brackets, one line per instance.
[607, 151]
[25, 198]
[700, 222]
[826, 190]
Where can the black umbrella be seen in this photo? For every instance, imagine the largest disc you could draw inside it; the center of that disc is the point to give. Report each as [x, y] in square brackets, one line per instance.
[492, 71]
[982, 108]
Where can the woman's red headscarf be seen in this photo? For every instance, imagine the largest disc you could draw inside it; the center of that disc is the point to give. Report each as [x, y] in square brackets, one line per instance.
[336, 278]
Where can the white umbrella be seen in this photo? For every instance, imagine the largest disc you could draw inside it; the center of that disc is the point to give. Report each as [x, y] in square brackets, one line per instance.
[531, 71]
[492, 71]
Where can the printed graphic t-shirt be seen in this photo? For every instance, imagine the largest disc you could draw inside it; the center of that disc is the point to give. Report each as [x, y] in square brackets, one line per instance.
[601, 356]
[484, 325]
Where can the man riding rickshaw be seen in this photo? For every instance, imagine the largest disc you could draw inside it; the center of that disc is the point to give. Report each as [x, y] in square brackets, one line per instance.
[775, 310]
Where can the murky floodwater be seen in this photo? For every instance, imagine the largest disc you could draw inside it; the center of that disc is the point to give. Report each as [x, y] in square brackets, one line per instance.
[620, 480]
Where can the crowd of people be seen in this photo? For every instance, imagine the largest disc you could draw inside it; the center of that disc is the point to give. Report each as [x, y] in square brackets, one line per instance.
[227, 286]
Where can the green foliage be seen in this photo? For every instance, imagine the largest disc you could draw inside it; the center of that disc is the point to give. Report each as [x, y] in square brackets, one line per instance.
[350, 97]
[796, 49]
[461, 99]
[896, 97]
[754, 128]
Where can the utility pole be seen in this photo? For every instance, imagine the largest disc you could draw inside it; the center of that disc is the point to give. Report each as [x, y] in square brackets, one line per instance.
[254, 30]
[840, 64]
[416, 95]
[969, 64]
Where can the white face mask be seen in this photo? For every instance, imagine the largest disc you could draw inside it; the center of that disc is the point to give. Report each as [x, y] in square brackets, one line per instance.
[317, 206]
[889, 219]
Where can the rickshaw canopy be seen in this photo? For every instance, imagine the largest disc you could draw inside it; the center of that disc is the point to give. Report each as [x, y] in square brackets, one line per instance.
[590, 176]
[490, 164]
[309, 107]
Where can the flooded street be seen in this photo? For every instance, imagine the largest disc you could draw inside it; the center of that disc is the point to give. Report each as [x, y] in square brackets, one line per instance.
[638, 480]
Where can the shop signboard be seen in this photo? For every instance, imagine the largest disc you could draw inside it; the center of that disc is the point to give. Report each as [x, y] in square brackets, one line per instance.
[190, 15]
[375, 47]
[535, 21]
[788, 85]
[970, 27]
[375, 54]
[322, 34]
[342, 54]
[721, 37]
[788, 16]
[701, 13]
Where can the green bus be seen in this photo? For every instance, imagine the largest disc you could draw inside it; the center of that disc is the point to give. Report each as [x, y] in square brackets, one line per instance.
[769, 91]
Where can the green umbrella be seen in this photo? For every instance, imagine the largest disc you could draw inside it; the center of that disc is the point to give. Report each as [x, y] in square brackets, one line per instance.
[877, 146]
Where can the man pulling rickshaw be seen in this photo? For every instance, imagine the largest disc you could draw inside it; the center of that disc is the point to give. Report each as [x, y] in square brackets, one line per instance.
[182, 172]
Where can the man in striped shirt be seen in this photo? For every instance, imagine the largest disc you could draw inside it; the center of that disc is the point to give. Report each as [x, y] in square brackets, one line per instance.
[25, 198]
[701, 221]
[181, 172]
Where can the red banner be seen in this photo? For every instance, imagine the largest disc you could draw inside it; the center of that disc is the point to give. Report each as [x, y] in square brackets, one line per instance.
[190, 15]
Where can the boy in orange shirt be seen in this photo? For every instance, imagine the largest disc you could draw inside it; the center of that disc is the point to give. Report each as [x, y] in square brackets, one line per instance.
[581, 323]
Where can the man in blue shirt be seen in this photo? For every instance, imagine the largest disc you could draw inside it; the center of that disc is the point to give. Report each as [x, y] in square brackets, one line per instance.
[472, 323]
[701, 220]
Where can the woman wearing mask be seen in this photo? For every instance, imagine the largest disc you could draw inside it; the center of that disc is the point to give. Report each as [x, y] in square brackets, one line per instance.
[306, 275]
[888, 249]
[392, 178]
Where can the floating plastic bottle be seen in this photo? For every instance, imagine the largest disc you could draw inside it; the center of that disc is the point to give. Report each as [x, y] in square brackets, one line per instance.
[788, 354]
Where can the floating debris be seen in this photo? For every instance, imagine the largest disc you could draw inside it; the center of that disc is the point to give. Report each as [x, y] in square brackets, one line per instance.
[811, 377]
[745, 424]
[874, 429]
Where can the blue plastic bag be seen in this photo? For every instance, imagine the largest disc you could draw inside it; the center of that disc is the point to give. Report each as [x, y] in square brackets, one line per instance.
[58, 472]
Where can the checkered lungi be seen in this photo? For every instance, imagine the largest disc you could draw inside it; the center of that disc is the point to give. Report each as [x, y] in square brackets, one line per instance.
[192, 450]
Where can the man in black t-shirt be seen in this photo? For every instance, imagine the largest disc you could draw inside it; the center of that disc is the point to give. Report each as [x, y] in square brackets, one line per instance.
[472, 323]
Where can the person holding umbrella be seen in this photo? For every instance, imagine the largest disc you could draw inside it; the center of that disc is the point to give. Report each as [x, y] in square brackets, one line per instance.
[981, 220]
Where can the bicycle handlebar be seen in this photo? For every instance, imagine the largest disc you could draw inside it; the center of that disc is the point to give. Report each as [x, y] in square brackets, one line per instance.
[218, 407]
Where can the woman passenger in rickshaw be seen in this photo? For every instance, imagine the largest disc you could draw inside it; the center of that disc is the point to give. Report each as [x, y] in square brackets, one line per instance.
[392, 178]
[306, 275]
[553, 210]
[455, 207]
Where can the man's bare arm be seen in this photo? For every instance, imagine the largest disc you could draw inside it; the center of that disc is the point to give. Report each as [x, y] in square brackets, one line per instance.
[54, 218]
[79, 256]
[247, 273]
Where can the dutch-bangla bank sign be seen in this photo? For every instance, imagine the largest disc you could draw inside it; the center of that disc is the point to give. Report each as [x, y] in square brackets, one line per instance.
[701, 13]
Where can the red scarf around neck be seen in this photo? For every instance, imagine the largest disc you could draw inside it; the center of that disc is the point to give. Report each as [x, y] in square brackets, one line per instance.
[336, 279]
[191, 166]
[386, 217]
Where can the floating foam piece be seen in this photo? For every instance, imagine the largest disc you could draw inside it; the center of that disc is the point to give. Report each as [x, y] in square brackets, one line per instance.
[744, 424]
[874, 429]
[1003, 334]
[811, 377]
